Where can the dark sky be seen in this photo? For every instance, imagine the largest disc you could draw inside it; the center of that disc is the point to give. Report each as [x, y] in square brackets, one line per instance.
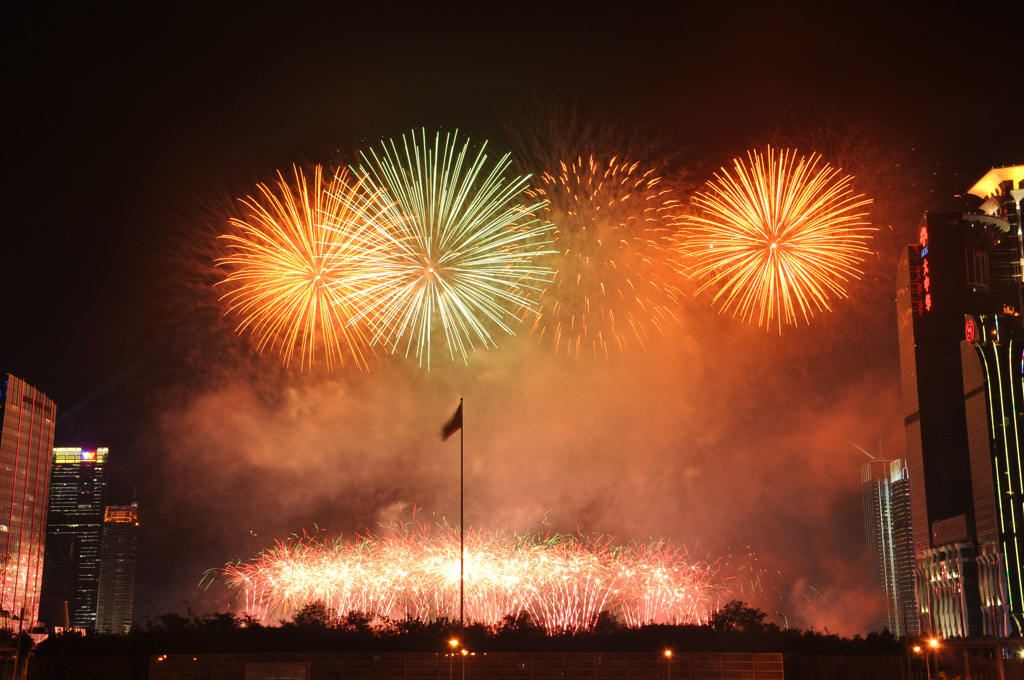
[123, 123]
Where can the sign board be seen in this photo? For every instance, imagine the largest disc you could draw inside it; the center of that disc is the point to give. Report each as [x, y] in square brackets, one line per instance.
[949, 530]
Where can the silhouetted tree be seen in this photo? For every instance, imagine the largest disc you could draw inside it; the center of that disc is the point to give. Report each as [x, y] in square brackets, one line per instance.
[738, 616]
[356, 622]
[314, 615]
[519, 625]
[606, 623]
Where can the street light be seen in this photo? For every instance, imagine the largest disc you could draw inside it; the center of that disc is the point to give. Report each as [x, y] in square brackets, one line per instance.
[933, 645]
[927, 666]
[453, 643]
[668, 662]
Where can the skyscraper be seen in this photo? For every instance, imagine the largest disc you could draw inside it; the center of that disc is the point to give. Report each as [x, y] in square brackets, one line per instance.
[78, 486]
[887, 530]
[27, 418]
[959, 304]
[115, 605]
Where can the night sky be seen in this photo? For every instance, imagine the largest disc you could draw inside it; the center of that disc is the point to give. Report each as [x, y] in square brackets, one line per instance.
[128, 129]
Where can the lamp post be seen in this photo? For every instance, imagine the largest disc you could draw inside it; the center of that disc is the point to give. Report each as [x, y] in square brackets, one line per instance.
[668, 662]
[927, 668]
[933, 648]
[453, 643]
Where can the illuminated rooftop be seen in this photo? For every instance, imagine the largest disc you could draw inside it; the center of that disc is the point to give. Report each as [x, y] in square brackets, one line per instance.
[987, 185]
[76, 454]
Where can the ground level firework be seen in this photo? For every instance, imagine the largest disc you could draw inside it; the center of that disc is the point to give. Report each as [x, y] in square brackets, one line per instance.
[412, 571]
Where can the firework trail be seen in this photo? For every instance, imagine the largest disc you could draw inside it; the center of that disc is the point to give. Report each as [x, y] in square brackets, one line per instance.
[453, 246]
[778, 238]
[613, 227]
[564, 582]
[289, 278]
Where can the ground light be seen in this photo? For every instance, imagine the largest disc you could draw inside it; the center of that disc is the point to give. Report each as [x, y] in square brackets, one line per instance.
[453, 643]
[933, 646]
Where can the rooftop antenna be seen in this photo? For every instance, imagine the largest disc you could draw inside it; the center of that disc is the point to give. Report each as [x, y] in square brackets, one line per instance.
[864, 451]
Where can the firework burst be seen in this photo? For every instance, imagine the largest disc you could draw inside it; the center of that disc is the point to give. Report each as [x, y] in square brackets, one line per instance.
[453, 245]
[564, 582]
[612, 286]
[778, 238]
[289, 278]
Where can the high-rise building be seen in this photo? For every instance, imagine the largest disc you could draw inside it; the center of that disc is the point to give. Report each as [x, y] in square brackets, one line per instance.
[27, 418]
[885, 491]
[115, 605]
[78, 485]
[903, 547]
[959, 304]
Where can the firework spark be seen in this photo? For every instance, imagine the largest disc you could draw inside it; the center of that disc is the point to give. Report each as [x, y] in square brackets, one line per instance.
[779, 238]
[453, 245]
[289, 278]
[612, 286]
[564, 582]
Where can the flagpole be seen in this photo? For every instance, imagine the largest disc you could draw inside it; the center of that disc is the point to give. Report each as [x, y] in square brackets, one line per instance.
[462, 525]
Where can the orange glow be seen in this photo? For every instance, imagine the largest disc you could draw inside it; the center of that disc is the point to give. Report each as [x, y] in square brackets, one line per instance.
[668, 653]
[777, 239]
[614, 285]
[287, 262]
[561, 581]
[917, 649]
[987, 185]
[933, 643]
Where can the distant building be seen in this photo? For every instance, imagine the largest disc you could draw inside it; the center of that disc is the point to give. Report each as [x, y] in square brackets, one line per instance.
[959, 303]
[27, 418]
[116, 601]
[78, 486]
[885, 489]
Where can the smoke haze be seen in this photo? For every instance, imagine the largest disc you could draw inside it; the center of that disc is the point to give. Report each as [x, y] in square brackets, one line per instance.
[727, 439]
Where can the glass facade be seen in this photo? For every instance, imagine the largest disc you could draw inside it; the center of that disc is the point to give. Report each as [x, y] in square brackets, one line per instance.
[78, 486]
[903, 547]
[887, 530]
[116, 602]
[27, 419]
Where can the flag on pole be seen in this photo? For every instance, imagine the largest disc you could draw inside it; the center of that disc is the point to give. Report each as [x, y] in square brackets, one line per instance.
[453, 425]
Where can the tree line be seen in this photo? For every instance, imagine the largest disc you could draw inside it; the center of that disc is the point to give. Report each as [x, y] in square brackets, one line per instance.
[736, 627]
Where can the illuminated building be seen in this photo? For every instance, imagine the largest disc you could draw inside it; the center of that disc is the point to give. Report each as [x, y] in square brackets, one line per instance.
[885, 487]
[27, 418]
[78, 486]
[959, 303]
[116, 599]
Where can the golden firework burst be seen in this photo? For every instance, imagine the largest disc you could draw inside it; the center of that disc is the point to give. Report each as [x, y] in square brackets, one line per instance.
[777, 238]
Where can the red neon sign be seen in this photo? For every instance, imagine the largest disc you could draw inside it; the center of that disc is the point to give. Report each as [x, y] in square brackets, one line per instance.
[925, 305]
[970, 330]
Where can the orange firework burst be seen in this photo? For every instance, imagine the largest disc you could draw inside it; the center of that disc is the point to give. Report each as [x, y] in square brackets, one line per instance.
[779, 238]
[613, 224]
[286, 277]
